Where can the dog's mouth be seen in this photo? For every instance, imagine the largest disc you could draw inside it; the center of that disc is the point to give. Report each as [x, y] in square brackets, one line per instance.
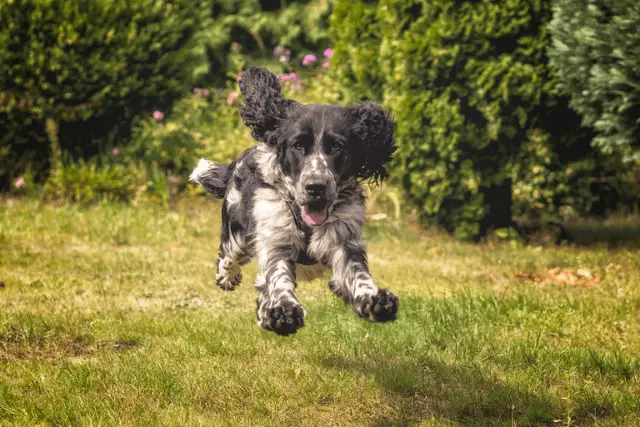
[314, 213]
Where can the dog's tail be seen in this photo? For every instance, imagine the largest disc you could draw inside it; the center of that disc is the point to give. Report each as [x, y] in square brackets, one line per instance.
[212, 177]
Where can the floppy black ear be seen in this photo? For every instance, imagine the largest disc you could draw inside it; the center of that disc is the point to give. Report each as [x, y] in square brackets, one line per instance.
[264, 106]
[374, 127]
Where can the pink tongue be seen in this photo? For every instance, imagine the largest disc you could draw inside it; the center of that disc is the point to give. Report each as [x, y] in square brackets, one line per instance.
[313, 218]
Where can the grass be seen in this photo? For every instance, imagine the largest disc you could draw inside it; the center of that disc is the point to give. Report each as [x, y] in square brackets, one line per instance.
[109, 315]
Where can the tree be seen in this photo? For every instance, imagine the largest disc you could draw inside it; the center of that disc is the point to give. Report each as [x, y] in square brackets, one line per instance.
[596, 50]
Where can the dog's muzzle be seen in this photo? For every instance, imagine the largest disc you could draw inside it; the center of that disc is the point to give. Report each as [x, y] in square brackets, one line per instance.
[317, 197]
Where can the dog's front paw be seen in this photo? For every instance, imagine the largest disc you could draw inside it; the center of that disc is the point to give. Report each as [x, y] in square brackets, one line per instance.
[284, 317]
[380, 307]
[228, 283]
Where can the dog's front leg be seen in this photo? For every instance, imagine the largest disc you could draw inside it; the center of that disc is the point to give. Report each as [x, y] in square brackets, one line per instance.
[278, 307]
[353, 282]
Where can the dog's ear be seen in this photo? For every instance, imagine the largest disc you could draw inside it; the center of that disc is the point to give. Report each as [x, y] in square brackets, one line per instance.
[373, 126]
[264, 105]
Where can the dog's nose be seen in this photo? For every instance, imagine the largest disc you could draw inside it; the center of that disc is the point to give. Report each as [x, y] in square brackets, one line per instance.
[316, 189]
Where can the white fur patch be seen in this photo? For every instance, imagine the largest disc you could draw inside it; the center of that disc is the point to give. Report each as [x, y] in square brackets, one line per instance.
[201, 169]
[234, 196]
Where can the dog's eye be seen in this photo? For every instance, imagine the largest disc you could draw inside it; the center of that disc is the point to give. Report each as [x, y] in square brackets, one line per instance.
[298, 146]
[335, 147]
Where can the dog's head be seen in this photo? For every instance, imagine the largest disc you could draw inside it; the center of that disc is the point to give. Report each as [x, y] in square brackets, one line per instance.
[318, 147]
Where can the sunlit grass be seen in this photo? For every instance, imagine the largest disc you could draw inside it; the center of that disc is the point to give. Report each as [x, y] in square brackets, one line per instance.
[109, 315]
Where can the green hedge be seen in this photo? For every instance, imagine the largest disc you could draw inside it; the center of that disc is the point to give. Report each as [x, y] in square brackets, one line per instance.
[596, 49]
[469, 86]
[91, 66]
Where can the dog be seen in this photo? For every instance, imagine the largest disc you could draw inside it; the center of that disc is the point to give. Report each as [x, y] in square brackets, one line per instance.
[295, 198]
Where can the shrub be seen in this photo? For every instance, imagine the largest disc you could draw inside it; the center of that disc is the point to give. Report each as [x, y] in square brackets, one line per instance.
[469, 87]
[596, 50]
[82, 182]
[249, 29]
[91, 67]
[204, 124]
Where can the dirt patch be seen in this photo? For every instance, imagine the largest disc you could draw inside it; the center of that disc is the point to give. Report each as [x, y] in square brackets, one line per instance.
[55, 350]
[561, 276]
[15, 347]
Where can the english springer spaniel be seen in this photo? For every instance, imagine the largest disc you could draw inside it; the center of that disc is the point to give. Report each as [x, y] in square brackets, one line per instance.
[295, 198]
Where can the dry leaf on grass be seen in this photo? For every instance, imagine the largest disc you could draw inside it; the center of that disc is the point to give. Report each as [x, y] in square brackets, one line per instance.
[562, 276]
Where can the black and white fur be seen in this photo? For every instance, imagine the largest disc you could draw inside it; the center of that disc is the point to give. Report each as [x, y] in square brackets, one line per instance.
[296, 198]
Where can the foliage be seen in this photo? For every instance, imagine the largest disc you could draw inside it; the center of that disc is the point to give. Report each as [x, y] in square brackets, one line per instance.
[91, 67]
[249, 29]
[203, 124]
[469, 87]
[82, 182]
[199, 126]
[596, 185]
[596, 50]
[157, 161]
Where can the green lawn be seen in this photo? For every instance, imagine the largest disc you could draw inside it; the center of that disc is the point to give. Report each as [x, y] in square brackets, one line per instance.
[109, 315]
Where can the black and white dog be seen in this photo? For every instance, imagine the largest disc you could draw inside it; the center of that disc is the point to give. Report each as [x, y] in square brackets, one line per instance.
[296, 198]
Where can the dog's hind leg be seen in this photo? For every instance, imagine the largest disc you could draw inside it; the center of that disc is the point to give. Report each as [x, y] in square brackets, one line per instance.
[233, 254]
[228, 276]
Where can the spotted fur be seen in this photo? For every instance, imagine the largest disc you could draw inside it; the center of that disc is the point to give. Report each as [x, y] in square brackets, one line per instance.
[295, 199]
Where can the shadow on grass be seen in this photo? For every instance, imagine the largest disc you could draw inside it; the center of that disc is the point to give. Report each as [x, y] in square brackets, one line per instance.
[426, 389]
[614, 234]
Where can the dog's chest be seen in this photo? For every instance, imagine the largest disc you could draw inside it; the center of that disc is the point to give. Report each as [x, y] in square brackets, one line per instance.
[304, 257]
[308, 268]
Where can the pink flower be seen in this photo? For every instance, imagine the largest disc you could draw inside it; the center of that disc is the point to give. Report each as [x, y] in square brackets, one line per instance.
[309, 60]
[325, 65]
[284, 59]
[197, 91]
[115, 151]
[19, 183]
[205, 92]
[293, 76]
[328, 53]
[278, 51]
[158, 115]
[231, 98]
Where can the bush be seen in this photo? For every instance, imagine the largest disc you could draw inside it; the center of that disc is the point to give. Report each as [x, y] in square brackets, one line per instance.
[550, 187]
[247, 30]
[91, 67]
[204, 124]
[82, 182]
[469, 87]
[596, 49]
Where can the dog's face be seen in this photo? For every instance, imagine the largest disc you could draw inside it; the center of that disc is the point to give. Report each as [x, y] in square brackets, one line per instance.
[317, 152]
[318, 146]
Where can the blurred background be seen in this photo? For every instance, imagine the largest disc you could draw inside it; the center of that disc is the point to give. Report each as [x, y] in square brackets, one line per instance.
[509, 113]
